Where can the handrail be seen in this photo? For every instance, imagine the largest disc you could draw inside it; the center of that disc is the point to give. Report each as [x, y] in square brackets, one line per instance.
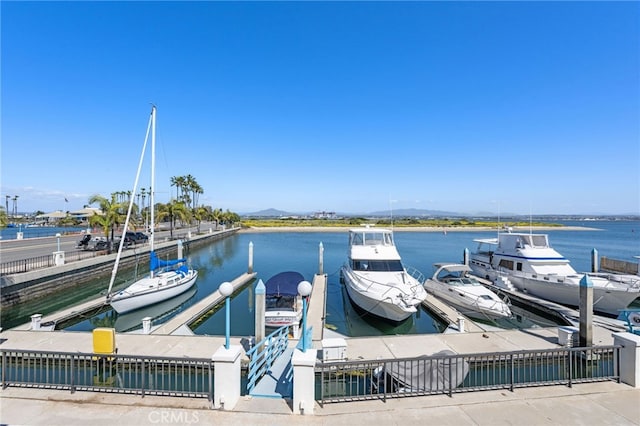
[264, 353]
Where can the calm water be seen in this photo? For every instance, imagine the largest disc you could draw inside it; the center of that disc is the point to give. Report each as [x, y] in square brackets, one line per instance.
[276, 252]
[38, 231]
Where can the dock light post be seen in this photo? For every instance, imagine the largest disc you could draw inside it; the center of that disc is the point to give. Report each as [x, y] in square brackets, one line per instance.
[58, 237]
[226, 289]
[304, 288]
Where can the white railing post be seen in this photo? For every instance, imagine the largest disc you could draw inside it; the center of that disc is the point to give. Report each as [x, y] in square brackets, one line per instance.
[226, 379]
[304, 381]
[629, 368]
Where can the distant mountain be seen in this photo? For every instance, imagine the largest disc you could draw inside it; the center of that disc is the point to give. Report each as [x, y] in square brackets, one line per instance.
[270, 213]
[414, 213]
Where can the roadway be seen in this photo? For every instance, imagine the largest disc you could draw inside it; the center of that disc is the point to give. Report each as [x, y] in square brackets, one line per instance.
[12, 250]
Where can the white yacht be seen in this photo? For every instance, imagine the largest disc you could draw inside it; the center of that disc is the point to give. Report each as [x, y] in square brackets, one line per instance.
[375, 278]
[452, 283]
[531, 265]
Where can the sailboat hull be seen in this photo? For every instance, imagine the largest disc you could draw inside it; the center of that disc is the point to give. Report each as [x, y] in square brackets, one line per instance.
[152, 290]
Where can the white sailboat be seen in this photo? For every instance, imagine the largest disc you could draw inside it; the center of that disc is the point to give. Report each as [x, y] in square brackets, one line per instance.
[166, 278]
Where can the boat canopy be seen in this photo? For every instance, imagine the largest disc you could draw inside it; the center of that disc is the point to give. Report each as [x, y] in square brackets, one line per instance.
[157, 263]
[284, 283]
[370, 237]
[516, 241]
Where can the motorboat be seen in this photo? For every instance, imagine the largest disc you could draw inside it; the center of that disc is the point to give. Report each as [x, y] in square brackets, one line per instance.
[167, 278]
[375, 278]
[453, 283]
[528, 263]
[283, 304]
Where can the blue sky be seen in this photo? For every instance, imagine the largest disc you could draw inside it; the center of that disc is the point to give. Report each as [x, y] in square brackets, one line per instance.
[522, 107]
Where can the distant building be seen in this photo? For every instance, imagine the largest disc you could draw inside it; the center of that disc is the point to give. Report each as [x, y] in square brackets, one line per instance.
[325, 215]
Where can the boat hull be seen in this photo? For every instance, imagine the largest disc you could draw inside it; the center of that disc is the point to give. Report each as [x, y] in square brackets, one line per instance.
[371, 302]
[491, 310]
[277, 319]
[125, 301]
[607, 298]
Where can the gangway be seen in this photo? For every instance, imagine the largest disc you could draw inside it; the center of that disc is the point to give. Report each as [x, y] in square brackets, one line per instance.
[270, 374]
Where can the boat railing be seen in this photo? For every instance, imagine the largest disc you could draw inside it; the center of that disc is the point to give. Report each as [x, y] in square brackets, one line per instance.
[369, 283]
[264, 353]
[415, 273]
[615, 280]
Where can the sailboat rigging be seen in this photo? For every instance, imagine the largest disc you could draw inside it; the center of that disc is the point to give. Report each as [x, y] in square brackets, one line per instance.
[166, 278]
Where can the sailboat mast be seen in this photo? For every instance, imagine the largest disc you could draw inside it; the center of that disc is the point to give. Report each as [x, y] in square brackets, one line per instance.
[153, 179]
[126, 222]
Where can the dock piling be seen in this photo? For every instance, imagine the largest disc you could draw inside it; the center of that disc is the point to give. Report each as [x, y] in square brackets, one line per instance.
[586, 312]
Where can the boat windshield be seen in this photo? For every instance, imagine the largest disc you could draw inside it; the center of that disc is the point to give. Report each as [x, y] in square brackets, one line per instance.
[377, 265]
[456, 278]
[371, 238]
[279, 303]
[535, 240]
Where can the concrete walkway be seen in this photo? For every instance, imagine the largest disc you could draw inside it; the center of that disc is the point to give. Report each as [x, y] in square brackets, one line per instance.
[599, 404]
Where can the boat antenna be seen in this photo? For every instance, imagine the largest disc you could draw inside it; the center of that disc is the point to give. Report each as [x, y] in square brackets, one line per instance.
[391, 210]
[126, 222]
[498, 218]
[152, 195]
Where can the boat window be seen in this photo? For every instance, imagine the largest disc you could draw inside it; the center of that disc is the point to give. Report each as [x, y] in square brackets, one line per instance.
[388, 239]
[508, 264]
[372, 239]
[356, 240]
[540, 241]
[279, 303]
[519, 266]
[378, 265]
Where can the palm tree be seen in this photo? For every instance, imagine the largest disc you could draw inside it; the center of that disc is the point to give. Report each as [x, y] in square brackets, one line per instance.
[113, 213]
[3, 218]
[216, 216]
[172, 210]
[200, 214]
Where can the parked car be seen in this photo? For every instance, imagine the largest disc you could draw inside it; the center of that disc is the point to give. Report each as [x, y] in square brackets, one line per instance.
[138, 237]
[98, 243]
[84, 242]
[133, 238]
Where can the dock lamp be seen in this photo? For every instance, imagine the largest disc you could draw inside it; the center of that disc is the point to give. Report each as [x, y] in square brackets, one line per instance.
[58, 237]
[226, 289]
[304, 288]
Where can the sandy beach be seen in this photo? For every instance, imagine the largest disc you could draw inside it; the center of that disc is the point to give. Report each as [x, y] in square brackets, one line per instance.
[413, 229]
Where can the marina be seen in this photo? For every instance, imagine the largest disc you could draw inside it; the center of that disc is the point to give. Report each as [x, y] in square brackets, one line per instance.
[224, 260]
[175, 329]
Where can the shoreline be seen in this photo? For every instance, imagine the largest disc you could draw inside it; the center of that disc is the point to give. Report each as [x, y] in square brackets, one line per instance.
[266, 229]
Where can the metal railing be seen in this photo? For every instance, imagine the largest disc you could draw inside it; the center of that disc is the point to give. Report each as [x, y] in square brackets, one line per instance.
[141, 375]
[264, 353]
[45, 261]
[343, 381]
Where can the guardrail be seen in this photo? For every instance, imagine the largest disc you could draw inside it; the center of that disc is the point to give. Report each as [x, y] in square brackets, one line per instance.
[141, 375]
[45, 261]
[343, 381]
[264, 353]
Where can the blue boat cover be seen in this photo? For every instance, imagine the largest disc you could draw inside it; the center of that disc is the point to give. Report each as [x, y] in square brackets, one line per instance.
[157, 263]
[284, 284]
